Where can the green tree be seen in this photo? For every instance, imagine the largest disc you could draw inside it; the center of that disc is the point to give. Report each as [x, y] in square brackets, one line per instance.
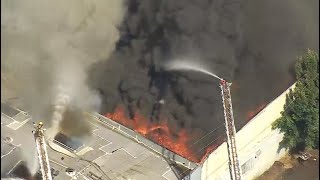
[300, 118]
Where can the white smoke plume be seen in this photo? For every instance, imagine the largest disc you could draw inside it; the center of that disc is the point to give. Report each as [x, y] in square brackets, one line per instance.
[48, 46]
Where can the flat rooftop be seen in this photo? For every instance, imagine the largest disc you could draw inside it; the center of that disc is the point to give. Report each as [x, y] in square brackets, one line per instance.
[108, 154]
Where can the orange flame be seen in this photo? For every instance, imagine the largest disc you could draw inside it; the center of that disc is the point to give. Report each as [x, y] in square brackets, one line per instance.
[178, 142]
[252, 113]
[211, 148]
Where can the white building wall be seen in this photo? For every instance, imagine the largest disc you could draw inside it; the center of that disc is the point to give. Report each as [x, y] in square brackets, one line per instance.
[257, 145]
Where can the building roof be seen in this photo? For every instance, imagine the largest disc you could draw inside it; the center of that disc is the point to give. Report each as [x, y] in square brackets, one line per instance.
[112, 152]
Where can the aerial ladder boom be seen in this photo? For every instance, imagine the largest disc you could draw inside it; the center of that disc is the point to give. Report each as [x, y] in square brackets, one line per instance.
[42, 151]
[234, 166]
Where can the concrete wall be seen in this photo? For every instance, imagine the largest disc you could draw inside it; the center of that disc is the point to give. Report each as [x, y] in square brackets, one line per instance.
[257, 144]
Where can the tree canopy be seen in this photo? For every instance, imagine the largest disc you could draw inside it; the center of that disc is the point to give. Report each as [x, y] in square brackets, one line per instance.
[300, 118]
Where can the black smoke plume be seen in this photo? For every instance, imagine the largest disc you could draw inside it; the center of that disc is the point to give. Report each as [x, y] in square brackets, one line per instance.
[252, 43]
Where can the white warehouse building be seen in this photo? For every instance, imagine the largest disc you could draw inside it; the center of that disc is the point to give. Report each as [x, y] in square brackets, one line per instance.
[257, 145]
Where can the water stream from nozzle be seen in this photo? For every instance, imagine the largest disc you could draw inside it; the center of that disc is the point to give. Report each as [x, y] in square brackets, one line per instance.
[180, 65]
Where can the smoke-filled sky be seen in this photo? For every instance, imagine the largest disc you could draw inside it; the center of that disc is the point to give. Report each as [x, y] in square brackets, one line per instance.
[48, 46]
[252, 43]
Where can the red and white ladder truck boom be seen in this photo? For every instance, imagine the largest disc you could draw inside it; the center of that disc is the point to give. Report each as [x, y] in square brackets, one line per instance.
[234, 165]
[42, 151]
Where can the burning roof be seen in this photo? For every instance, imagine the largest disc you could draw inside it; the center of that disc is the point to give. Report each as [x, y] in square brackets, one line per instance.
[228, 38]
[179, 142]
